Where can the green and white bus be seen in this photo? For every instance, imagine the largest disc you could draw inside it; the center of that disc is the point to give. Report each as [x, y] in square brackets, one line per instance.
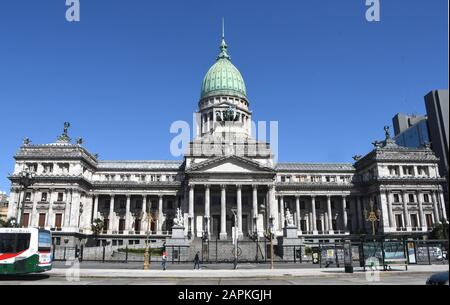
[25, 250]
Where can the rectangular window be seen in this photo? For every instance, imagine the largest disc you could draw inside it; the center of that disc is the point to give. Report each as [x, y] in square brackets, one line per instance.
[396, 198]
[64, 167]
[28, 197]
[137, 225]
[47, 168]
[393, 170]
[303, 225]
[319, 225]
[423, 170]
[411, 198]
[26, 220]
[399, 221]
[57, 241]
[426, 198]
[14, 242]
[44, 197]
[414, 222]
[429, 220]
[408, 170]
[60, 197]
[41, 223]
[105, 225]
[58, 221]
[32, 167]
[121, 225]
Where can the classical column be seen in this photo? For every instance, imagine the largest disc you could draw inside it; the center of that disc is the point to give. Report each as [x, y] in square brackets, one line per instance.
[207, 209]
[422, 222]
[391, 214]
[239, 208]
[95, 202]
[223, 213]
[67, 210]
[297, 210]
[405, 211]
[111, 214]
[437, 218]
[144, 219]
[443, 210]
[330, 216]
[160, 214]
[34, 213]
[191, 209]
[313, 209]
[358, 213]
[282, 213]
[50, 208]
[255, 202]
[272, 207]
[127, 214]
[344, 213]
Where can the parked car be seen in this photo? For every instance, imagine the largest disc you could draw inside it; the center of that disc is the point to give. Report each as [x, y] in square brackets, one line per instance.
[440, 278]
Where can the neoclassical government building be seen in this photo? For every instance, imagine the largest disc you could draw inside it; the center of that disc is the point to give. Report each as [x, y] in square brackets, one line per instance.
[226, 179]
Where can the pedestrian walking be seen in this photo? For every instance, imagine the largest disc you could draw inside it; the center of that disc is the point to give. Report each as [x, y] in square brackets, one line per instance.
[197, 261]
[164, 260]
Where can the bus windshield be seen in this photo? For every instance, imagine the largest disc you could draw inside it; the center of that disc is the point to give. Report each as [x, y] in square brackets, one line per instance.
[14, 242]
[44, 241]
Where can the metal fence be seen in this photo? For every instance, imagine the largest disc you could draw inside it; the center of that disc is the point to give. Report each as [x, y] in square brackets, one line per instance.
[323, 255]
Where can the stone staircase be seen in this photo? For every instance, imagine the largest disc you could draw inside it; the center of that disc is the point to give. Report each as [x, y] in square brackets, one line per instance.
[223, 251]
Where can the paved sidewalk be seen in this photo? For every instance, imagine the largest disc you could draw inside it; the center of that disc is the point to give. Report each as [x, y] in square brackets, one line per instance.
[239, 273]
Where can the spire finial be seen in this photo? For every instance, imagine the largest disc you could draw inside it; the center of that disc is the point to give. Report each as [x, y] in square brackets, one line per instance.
[223, 44]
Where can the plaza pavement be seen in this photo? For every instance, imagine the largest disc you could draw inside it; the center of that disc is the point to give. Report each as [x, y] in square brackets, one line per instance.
[227, 273]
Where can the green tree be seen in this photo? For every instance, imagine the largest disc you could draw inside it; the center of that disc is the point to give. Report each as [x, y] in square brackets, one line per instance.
[9, 223]
[97, 226]
[440, 231]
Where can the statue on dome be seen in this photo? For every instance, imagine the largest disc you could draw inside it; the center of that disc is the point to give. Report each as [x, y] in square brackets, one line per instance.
[229, 115]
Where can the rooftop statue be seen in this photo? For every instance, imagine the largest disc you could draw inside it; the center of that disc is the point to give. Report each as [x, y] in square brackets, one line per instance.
[387, 132]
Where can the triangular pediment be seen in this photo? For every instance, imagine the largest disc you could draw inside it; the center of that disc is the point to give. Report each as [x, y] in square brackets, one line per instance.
[229, 164]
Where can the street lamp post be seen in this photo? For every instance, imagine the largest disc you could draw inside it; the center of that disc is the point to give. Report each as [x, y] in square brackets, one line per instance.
[26, 179]
[373, 217]
[147, 253]
[271, 219]
[269, 231]
[235, 237]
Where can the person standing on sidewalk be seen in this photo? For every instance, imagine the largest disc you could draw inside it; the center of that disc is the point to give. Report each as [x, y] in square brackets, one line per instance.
[197, 261]
[164, 260]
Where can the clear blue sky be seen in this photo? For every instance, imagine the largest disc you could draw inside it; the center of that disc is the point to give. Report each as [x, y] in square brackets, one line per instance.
[130, 68]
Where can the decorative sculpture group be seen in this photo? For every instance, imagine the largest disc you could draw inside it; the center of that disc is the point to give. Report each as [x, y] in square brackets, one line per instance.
[289, 219]
[178, 221]
[229, 115]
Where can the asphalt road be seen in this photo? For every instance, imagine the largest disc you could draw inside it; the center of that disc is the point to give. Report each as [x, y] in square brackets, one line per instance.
[332, 279]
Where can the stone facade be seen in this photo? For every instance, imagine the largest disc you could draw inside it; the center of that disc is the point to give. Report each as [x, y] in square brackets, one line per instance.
[226, 178]
[3, 206]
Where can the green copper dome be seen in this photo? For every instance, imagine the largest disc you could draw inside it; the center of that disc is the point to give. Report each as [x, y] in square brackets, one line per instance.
[223, 78]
